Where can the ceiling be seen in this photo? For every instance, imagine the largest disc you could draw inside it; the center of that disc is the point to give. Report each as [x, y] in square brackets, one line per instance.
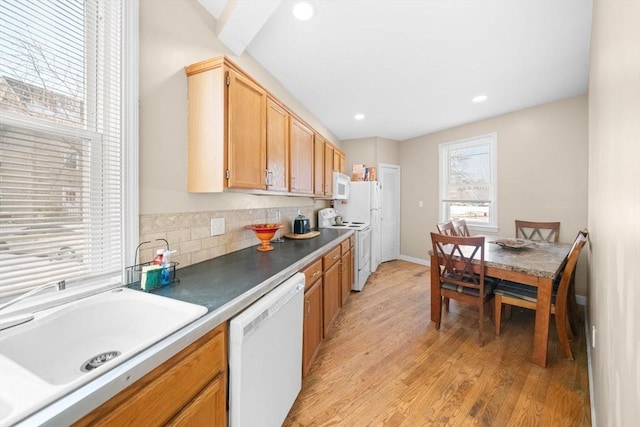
[413, 66]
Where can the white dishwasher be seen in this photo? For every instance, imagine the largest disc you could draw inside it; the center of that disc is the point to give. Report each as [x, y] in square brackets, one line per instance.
[265, 357]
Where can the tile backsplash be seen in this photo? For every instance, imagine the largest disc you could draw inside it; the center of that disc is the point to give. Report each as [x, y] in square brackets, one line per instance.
[189, 233]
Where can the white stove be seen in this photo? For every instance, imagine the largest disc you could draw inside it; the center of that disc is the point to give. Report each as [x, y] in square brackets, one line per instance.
[327, 219]
[362, 246]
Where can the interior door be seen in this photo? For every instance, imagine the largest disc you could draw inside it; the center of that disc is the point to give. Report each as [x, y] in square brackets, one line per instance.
[389, 177]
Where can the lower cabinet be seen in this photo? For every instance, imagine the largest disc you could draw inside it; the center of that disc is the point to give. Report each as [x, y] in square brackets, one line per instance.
[332, 297]
[326, 281]
[312, 331]
[188, 389]
[346, 274]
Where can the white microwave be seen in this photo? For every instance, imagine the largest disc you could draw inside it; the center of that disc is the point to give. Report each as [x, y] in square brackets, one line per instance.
[341, 185]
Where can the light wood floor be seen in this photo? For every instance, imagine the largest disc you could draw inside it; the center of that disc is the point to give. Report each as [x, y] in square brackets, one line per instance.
[384, 364]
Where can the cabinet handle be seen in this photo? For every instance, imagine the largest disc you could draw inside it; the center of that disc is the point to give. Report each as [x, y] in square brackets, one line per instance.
[307, 307]
[266, 177]
[335, 257]
[315, 273]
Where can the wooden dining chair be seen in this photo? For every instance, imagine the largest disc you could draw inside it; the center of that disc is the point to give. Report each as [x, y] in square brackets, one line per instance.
[572, 304]
[447, 228]
[461, 227]
[525, 296]
[540, 231]
[456, 276]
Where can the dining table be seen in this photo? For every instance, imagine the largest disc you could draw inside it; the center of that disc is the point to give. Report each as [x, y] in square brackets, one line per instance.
[529, 262]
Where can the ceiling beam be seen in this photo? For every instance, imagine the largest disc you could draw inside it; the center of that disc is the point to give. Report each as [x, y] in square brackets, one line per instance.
[238, 21]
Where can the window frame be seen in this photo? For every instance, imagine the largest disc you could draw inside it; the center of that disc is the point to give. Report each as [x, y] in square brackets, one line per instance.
[490, 140]
[129, 172]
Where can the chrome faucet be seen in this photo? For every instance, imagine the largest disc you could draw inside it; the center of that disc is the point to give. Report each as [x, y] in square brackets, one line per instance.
[61, 285]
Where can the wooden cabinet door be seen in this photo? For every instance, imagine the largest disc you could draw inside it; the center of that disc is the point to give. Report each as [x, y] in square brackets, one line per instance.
[346, 275]
[160, 395]
[318, 165]
[246, 150]
[277, 147]
[301, 157]
[332, 298]
[328, 169]
[312, 335]
[206, 409]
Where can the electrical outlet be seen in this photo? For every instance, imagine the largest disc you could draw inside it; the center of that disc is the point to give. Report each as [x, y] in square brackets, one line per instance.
[217, 226]
[420, 204]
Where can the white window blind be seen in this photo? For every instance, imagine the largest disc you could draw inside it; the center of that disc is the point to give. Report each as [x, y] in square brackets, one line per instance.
[468, 187]
[60, 142]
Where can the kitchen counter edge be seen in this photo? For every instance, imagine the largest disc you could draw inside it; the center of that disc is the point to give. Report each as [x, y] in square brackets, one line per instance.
[83, 400]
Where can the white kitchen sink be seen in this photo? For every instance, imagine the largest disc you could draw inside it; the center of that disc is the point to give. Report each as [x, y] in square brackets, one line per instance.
[67, 346]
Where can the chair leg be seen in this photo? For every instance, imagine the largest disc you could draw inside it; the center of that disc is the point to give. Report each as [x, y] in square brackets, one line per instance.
[481, 322]
[572, 309]
[570, 334]
[437, 323]
[446, 303]
[497, 312]
[561, 327]
[507, 311]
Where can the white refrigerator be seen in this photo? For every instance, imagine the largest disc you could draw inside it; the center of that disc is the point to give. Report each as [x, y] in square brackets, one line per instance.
[364, 206]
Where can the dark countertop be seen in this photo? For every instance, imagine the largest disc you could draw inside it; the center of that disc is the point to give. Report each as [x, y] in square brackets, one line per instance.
[247, 274]
[225, 285]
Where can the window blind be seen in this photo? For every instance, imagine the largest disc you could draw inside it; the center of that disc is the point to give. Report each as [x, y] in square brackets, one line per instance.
[60, 142]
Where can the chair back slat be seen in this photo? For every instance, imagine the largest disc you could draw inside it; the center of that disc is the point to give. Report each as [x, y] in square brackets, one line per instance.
[455, 259]
[539, 231]
[461, 228]
[447, 229]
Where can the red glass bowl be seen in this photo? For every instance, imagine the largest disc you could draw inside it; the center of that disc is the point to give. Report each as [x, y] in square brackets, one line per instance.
[265, 233]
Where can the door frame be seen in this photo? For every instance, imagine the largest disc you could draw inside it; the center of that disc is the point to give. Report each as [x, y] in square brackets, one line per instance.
[396, 208]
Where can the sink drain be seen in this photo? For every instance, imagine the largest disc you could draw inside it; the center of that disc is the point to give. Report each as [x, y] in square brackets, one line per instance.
[99, 360]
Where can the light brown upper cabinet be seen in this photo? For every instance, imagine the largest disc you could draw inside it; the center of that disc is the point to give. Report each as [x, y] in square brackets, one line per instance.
[301, 149]
[328, 169]
[342, 168]
[318, 165]
[242, 137]
[247, 144]
[277, 172]
[226, 128]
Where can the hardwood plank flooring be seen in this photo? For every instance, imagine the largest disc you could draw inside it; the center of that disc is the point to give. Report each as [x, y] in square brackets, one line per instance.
[384, 364]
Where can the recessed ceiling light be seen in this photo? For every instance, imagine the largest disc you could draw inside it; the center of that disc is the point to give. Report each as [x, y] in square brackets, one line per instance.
[303, 11]
[359, 116]
[480, 98]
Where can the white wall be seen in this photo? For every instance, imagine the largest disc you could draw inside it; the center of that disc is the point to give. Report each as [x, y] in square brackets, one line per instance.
[614, 211]
[174, 34]
[542, 174]
[370, 151]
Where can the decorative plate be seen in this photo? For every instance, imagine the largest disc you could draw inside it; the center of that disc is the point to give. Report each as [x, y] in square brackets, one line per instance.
[512, 243]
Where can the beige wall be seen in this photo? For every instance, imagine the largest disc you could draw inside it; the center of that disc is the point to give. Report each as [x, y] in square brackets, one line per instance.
[174, 34]
[542, 173]
[371, 151]
[614, 211]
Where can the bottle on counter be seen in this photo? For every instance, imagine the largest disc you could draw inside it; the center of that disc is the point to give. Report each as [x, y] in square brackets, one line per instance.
[158, 260]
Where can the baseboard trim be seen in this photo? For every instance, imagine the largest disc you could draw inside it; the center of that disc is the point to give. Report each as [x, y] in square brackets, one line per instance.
[414, 260]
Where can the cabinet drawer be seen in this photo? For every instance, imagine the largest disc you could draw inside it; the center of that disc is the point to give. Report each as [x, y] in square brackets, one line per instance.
[312, 273]
[157, 397]
[331, 258]
[346, 245]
